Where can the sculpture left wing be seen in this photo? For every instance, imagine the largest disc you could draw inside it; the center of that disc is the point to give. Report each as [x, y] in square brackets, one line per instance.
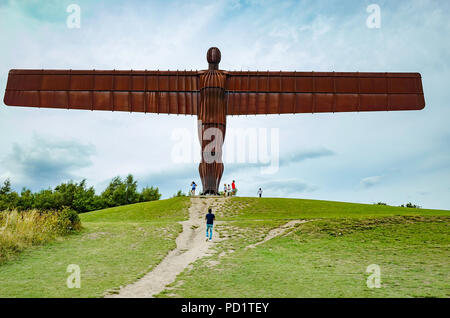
[166, 92]
[252, 93]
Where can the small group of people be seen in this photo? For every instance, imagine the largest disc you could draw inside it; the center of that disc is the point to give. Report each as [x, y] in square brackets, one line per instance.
[229, 190]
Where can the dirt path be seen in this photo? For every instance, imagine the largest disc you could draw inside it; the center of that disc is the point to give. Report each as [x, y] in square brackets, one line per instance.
[277, 232]
[191, 245]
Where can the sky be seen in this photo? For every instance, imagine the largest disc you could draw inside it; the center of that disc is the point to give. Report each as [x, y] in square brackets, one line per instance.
[392, 157]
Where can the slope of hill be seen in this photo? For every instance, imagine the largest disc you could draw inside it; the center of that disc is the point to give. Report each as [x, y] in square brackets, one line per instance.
[326, 255]
[116, 247]
[262, 248]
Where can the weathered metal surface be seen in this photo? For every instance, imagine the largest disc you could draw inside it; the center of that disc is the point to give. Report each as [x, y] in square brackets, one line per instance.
[212, 117]
[167, 92]
[213, 94]
[310, 92]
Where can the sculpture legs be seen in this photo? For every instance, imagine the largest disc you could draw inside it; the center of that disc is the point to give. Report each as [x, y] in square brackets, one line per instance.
[211, 167]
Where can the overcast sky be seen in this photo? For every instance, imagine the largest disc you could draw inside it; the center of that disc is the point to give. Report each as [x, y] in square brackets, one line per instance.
[394, 157]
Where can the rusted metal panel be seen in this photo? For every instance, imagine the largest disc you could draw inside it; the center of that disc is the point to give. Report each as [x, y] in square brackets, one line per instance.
[310, 92]
[171, 92]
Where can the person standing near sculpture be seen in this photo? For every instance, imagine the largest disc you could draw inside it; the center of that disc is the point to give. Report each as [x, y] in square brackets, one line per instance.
[193, 187]
[260, 192]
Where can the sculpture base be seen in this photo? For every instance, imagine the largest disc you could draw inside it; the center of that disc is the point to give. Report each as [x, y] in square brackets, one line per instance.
[210, 174]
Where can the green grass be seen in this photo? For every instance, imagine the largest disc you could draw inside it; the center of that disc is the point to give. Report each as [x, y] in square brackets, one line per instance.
[325, 257]
[116, 247]
[274, 208]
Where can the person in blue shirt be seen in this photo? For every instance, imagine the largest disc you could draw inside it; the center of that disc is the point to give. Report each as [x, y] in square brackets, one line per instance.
[193, 185]
[210, 217]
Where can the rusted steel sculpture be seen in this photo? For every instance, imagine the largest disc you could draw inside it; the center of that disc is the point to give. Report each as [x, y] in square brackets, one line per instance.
[213, 94]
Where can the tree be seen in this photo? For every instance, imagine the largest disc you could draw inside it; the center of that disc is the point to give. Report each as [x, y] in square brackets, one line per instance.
[8, 198]
[179, 194]
[26, 200]
[84, 198]
[67, 192]
[149, 194]
[6, 188]
[115, 193]
[131, 194]
[45, 200]
[77, 196]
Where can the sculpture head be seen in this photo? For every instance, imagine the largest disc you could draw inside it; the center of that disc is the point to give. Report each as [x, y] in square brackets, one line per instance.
[213, 56]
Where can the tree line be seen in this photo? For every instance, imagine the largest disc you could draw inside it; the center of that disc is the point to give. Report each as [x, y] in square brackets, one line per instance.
[77, 196]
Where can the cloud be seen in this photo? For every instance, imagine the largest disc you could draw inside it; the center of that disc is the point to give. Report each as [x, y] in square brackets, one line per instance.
[287, 187]
[286, 160]
[303, 155]
[45, 163]
[370, 182]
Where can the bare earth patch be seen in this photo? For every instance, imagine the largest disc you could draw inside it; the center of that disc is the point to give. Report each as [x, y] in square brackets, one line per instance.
[277, 232]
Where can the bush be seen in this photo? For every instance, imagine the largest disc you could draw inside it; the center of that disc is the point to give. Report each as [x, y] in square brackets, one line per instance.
[121, 192]
[410, 205]
[149, 194]
[179, 194]
[69, 220]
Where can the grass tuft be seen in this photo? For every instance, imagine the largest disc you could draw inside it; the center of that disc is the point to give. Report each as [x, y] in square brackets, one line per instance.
[20, 230]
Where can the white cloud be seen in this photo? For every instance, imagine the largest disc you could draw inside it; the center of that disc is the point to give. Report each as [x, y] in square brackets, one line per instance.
[370, 181]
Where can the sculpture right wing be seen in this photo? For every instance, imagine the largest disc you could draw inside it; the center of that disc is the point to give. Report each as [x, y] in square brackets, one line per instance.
[252, 93]
[166, 92]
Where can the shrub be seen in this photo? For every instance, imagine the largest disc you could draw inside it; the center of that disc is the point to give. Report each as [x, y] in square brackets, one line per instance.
[410, 205]
[69, 220]
[149, 194]
[179, 194]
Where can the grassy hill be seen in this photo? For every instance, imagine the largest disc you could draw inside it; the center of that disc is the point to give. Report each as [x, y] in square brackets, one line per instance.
[325, 257]
[116, 247]
[276, 208]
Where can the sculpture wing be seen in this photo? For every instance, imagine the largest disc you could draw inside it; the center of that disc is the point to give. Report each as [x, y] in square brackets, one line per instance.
[252, 93]
[168, 92]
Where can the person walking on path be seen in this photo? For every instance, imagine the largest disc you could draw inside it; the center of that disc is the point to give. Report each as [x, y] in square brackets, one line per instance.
[233, 188]
[193, 185]
[260, 192]
[225, 189]
[210, 217]
[229, 190]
